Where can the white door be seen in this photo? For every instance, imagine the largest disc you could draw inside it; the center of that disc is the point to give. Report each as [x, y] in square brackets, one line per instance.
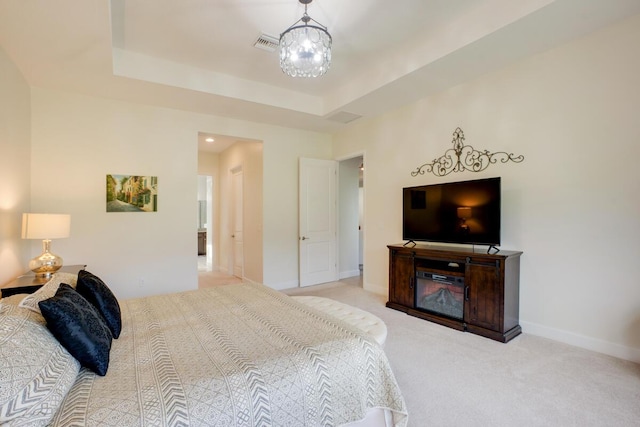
[236, 223]
[317, 233]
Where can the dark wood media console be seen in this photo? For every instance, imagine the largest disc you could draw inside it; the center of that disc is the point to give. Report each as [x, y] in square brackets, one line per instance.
[481, 290]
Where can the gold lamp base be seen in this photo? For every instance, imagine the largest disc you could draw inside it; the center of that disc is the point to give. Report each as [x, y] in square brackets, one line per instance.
[47, 263]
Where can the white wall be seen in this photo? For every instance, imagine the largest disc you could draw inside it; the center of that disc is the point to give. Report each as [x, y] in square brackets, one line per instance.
[15, 168]
[281, 204]
[77, 140]
[571, 206]
[348, 212]
[202, 185]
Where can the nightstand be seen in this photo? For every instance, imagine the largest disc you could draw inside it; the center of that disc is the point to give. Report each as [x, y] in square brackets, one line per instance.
[28, 283]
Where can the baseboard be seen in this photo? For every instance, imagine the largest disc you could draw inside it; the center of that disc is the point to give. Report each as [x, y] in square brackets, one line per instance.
[588, 343]
[351, 273]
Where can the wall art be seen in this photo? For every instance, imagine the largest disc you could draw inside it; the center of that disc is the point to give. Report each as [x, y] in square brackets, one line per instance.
[132, 193]
[462, 157]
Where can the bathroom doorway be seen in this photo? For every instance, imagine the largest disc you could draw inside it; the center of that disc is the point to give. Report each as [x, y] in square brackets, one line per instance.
[205, 222]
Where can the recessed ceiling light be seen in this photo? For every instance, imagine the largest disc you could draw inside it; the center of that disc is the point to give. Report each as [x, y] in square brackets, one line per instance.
[209, 139]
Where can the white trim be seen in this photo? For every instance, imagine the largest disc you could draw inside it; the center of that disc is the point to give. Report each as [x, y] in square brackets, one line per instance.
[593, 344]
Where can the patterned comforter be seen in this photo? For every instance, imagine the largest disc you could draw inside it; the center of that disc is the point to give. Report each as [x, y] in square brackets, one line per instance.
[236, 355]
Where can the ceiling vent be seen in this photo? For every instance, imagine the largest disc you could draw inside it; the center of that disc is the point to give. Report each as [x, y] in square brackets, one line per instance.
[267, 42]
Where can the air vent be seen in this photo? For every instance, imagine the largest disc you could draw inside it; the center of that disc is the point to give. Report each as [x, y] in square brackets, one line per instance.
[267, 42]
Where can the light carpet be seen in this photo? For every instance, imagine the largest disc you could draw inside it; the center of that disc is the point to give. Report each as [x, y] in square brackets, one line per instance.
[209, 279]
[453, 378]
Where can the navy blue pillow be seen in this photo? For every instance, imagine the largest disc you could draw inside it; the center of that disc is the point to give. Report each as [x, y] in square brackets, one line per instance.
[97, 293]
[78, 327]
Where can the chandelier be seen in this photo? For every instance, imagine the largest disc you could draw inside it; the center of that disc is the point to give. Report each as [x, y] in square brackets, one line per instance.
[305, 50]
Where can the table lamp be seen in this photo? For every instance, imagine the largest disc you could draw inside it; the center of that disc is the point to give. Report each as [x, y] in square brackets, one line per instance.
[45, 227]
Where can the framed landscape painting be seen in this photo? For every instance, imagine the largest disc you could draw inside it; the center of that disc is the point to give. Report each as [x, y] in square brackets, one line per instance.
[131, 193]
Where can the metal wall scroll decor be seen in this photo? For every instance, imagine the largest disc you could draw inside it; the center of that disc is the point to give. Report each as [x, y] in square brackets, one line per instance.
[464, 157]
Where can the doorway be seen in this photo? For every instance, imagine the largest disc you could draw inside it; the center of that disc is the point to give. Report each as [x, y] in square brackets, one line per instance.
[205, 223]
[351, 217]
[237, 222]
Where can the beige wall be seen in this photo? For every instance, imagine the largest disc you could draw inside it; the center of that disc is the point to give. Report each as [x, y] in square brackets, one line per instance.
[571, 206]
[15, 168]
[281, 205]
[77, 140]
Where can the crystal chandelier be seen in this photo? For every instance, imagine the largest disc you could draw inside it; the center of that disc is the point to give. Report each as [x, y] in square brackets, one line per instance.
[305, 50]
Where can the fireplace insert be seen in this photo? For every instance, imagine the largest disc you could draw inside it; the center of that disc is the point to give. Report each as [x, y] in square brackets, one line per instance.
[440, 293]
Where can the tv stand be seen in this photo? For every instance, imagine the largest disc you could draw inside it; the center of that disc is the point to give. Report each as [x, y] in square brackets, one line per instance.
[480, 289]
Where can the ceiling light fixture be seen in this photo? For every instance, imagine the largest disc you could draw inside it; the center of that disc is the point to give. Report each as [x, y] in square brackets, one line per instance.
[305, 50]
[209, 139]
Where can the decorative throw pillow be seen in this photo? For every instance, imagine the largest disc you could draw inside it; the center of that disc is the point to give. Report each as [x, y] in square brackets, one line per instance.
[97, 293]
[48, 290]
[79, 328]
[36, 372]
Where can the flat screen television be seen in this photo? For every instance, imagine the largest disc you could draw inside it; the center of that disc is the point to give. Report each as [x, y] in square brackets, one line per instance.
[457, 212]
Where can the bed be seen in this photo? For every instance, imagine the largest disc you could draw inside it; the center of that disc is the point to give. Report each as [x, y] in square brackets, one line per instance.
[235, 355]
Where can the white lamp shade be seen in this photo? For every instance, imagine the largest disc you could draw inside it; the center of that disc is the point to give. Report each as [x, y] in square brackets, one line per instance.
[45, 226]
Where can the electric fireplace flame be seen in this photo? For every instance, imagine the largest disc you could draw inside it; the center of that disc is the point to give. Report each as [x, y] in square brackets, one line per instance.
[441, 294]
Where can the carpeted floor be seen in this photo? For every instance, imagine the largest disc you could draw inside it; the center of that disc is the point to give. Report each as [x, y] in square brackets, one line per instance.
[452, 378]
[207, 279]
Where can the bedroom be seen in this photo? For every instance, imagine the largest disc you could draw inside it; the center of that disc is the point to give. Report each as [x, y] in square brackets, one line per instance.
[571, 206]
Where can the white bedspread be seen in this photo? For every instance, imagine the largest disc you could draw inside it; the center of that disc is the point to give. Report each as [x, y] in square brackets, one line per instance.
[236, 355]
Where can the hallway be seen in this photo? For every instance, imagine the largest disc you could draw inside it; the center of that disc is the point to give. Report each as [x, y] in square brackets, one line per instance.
[209, 279]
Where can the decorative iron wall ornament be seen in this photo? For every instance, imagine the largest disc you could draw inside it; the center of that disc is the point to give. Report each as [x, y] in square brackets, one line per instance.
[464, 157]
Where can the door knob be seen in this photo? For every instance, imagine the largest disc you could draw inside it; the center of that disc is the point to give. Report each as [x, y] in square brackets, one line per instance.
[303, 238]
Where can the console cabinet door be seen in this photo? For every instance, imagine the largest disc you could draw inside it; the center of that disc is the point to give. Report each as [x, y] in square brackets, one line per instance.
[401, 279]
[483, 306]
